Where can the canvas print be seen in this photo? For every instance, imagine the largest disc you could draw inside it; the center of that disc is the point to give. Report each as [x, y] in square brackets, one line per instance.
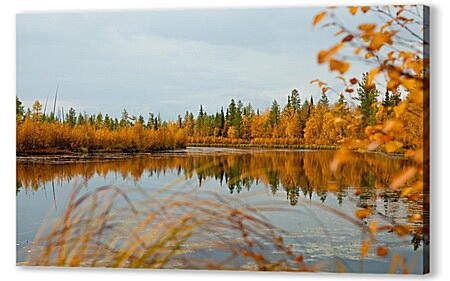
[252, 139]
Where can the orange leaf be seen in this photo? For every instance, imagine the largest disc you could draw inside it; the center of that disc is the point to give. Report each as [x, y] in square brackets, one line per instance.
[373, 227]
[299, 259]
[415, 217]
[406, 191]
[399, 12]
[365, 9]
[319, 17]
[341, 156]
[369, 55]
[258, 258]
[401, 180]
[379, 39]
[371, 76]
[367, 27]
[332, 186]
[392, 146]
[383, 27]
[365, 247]
[324, 56]
[385, 227]
[363, 213]
[382, 251]
[340, 66]
[353, 81]
[348, 38]
[353, 9]
[401, 230]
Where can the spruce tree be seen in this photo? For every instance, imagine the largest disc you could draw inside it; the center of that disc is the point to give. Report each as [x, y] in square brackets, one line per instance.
[324, 101]
[367, 96]
[274, 114]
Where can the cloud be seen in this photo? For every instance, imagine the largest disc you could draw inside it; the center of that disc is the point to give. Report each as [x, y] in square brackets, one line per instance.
[167, 61]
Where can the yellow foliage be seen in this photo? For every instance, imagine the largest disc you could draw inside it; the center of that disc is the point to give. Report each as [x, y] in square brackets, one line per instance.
[36, 136]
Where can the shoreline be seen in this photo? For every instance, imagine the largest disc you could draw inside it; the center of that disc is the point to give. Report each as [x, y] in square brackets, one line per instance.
[284, 146]
[54, 152]
[117, 153]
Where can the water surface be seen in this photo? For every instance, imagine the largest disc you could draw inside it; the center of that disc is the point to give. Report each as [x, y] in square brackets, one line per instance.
[292, 178]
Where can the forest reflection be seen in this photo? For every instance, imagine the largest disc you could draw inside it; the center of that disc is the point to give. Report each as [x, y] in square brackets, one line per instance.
[297, 173]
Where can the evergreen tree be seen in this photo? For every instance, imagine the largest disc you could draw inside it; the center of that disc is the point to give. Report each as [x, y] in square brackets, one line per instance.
[391, 99]
[231, 112]
[200, 113]
[19, 108]
[71, 117]
[342, 104]
[158, 122]
[99, 120]
[295, 100]
[395, 99]
[141, 120]
[324, 101]
[200, 123]
[222, 120]
[92, 119]
[248, 111]
[235, 117]
[151, 121]
[108, 122]
[180, 121]
[80, 119]
[274, 114]
[387, 99]
[124, 120]
[367, 96]
[304, 113]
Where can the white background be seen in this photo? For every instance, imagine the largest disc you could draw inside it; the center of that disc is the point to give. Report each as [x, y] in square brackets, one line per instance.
[440, 251]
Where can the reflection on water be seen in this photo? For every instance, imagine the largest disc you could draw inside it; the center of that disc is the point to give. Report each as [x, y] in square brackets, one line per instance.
[284, 175]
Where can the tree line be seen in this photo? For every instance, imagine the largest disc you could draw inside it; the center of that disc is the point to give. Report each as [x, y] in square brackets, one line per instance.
[41, 133]
[301, 121]
[306, 122]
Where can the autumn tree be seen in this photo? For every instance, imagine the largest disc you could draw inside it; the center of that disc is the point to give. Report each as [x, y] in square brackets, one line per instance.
[36, 110]
[395, 50]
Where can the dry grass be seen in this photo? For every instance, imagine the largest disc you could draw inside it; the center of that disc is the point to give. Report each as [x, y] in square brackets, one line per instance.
[176, 231]
[130, 228]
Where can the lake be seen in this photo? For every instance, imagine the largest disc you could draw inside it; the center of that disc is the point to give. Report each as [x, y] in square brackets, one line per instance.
[294, 179]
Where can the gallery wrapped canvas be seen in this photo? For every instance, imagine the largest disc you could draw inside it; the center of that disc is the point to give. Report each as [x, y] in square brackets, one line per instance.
[254, 139]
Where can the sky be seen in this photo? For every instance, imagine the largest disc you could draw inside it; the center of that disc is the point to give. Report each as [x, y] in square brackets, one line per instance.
[171, 61]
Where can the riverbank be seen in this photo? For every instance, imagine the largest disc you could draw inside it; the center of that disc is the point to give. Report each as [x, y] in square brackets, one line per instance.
[85, 153]
[55, 151]
[250, 145]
